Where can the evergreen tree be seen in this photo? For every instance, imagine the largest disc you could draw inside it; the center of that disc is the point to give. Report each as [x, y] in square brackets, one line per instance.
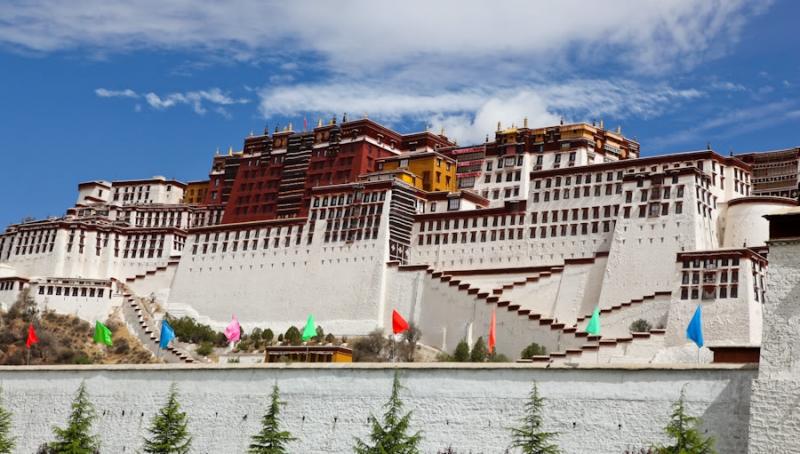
[391, 437]
[529, 436]
[684, 430]
[479, 351]
[461, 354]
[168, 430]
[75, 438]
[6, 440]
[271, 440]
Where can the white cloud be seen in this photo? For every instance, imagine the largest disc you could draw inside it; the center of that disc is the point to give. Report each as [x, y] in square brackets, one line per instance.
[467, 114]
[195, 99]
[359, 35]
[127, 93]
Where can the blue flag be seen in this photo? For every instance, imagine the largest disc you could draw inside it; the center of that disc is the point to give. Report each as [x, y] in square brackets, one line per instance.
[167, 334]
[695, 329]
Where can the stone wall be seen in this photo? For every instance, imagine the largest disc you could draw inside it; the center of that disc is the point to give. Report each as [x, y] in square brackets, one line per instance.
[599, 410]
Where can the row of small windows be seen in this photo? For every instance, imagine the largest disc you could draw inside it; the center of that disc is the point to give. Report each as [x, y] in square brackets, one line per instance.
[90, 292]
[347, 199]
[482, 236]
[576, 192]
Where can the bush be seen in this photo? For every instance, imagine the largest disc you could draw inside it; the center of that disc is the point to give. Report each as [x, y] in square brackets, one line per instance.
[461, 354]
[293, 336]
[371, 348]
[479, 351]
[121, 346]
[205, 349]
[498, 358]
[330, 338]
[532, 350]
[268, 336]
[188, 330]
[640, 326]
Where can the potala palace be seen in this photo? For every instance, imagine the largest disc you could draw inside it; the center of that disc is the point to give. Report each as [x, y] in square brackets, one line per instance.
[351, 220]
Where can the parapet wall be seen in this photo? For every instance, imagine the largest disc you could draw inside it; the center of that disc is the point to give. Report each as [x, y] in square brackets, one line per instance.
[594, 409]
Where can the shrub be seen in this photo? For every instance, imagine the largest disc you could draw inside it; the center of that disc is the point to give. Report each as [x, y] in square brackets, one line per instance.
[121, 346]
[188, 330]
[268, 336]
[7, 442]
[205, 349]
[293, 336]
[371, 348]
[461, 354]
[330, 339]
[532, 350]
[479, 351]
[640, 326]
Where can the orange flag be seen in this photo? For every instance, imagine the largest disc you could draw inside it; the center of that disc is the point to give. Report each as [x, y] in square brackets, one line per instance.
[399, 324]
[492, 332]
[32, 339]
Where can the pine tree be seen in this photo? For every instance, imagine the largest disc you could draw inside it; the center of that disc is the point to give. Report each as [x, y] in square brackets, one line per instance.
[461, 354]
[75, 438]
[479, 351]
[529, 436]
[391, 437]
[271, 440]
[6, 440]
[169, 432]
[684, 430]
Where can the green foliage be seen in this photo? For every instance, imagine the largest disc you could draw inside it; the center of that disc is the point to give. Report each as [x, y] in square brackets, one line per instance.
[271, 440]
[168, 430]
[188, 330]
[205, 349]
[320, 337]
[479, 351]
[531, 350]
[330, 338]
[256, 334]
[293, 336]
[640, 326]
[7, 442]
[268, 336]
[75, 438]
[390, 436]
[685, 432]
[498, 358]
[461, 354]
[529, 436]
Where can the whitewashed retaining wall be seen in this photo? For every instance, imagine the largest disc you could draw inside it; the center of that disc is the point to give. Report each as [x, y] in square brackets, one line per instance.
[599, 410]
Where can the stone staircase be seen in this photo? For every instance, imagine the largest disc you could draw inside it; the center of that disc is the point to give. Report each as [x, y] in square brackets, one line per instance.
[567, 342]
[142, 323]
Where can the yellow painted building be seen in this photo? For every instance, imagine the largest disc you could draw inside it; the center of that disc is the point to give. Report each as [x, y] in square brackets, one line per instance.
[434, 171]
[195, 192]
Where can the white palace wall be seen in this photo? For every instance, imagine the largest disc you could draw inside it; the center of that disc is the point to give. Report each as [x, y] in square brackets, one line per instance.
[594, 409]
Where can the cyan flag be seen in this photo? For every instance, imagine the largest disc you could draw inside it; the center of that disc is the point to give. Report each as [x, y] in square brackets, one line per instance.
[695, 329]
[167, 334]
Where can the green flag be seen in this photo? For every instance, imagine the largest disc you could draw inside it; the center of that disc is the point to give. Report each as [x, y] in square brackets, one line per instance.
[102, 335]
[594, 323]
[310, 330]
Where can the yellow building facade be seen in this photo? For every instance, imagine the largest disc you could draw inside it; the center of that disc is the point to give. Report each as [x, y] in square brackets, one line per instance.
[434, 172]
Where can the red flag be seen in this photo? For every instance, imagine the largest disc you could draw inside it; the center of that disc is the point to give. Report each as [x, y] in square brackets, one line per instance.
[399, 324]
[305, 123]
[32, 339]
[492, 332]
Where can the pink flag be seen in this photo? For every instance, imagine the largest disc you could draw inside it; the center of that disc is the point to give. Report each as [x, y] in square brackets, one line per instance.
[233, 331]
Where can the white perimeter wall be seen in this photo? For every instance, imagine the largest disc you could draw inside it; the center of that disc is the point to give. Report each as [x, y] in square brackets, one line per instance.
[594, 410]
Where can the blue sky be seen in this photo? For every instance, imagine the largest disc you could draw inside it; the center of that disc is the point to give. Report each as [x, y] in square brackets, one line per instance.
[97, 89]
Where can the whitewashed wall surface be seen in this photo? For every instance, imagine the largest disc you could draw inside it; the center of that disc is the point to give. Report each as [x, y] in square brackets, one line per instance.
[594, 409]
